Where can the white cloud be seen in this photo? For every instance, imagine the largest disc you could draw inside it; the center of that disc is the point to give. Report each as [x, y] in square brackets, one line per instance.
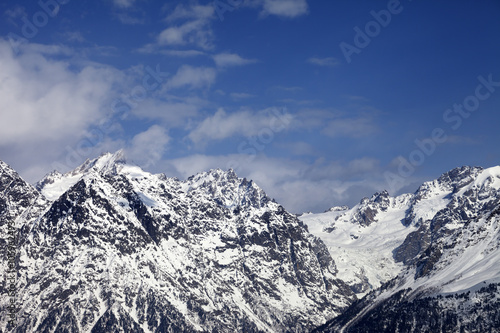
[196, 12]
[325, 62]
[192, 77]
[147, 148]
[242, 123]
[49, 104]
[42, 99]
[231, 59]
[285, 8]
[195, 30]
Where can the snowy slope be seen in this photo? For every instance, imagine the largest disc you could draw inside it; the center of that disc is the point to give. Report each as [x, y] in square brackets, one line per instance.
[363, 253]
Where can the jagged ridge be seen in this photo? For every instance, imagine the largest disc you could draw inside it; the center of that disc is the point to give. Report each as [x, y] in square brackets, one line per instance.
[113, 248]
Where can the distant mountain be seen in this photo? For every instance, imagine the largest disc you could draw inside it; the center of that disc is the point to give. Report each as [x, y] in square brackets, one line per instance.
[109, 247]
[429, 261]
[363, 238]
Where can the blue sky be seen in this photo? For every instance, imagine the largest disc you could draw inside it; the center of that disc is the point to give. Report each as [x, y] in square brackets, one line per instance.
[320, 102]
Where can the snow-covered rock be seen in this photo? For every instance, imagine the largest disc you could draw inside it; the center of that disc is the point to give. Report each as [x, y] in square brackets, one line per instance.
[112, 248]
[449, 274]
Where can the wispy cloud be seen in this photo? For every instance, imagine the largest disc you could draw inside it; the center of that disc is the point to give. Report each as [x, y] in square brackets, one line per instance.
[244, 123]
[352, 122]
[325, 62]
[285, 8]
[192, 77]
[231, 59]
[128, 13]
[195, 28]
[193, 12]
[194, 32]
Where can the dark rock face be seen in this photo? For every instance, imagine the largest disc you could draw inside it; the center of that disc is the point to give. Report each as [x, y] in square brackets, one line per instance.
[122, 250]
[414, 244]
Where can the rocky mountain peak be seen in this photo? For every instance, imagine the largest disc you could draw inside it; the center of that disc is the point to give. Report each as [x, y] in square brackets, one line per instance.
[105, 164]
[337, 209]
[227, 189]
[117, 248]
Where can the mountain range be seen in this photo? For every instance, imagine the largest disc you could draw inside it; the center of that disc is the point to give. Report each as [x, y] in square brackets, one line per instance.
[109, 247]
[422, 262]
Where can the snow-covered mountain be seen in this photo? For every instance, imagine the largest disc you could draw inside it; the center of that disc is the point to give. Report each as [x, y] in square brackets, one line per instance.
[109, 247]
[441, 246]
